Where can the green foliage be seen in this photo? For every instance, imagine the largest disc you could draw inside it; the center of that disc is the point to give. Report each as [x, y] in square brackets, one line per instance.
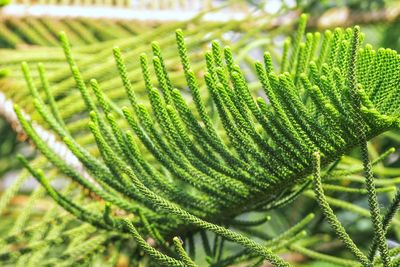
[4, 2]
[181, 167]
[7, 148]
[31, 31]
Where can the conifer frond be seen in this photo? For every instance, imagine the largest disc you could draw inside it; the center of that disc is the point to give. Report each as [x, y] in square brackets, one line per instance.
[15, 32]
[182, 170]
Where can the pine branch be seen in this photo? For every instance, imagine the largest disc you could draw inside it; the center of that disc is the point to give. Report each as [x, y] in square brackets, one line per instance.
[332, 219]
[185, 172]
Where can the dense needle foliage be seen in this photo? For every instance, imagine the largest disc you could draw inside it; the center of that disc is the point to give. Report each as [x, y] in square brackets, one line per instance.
[188, 161]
